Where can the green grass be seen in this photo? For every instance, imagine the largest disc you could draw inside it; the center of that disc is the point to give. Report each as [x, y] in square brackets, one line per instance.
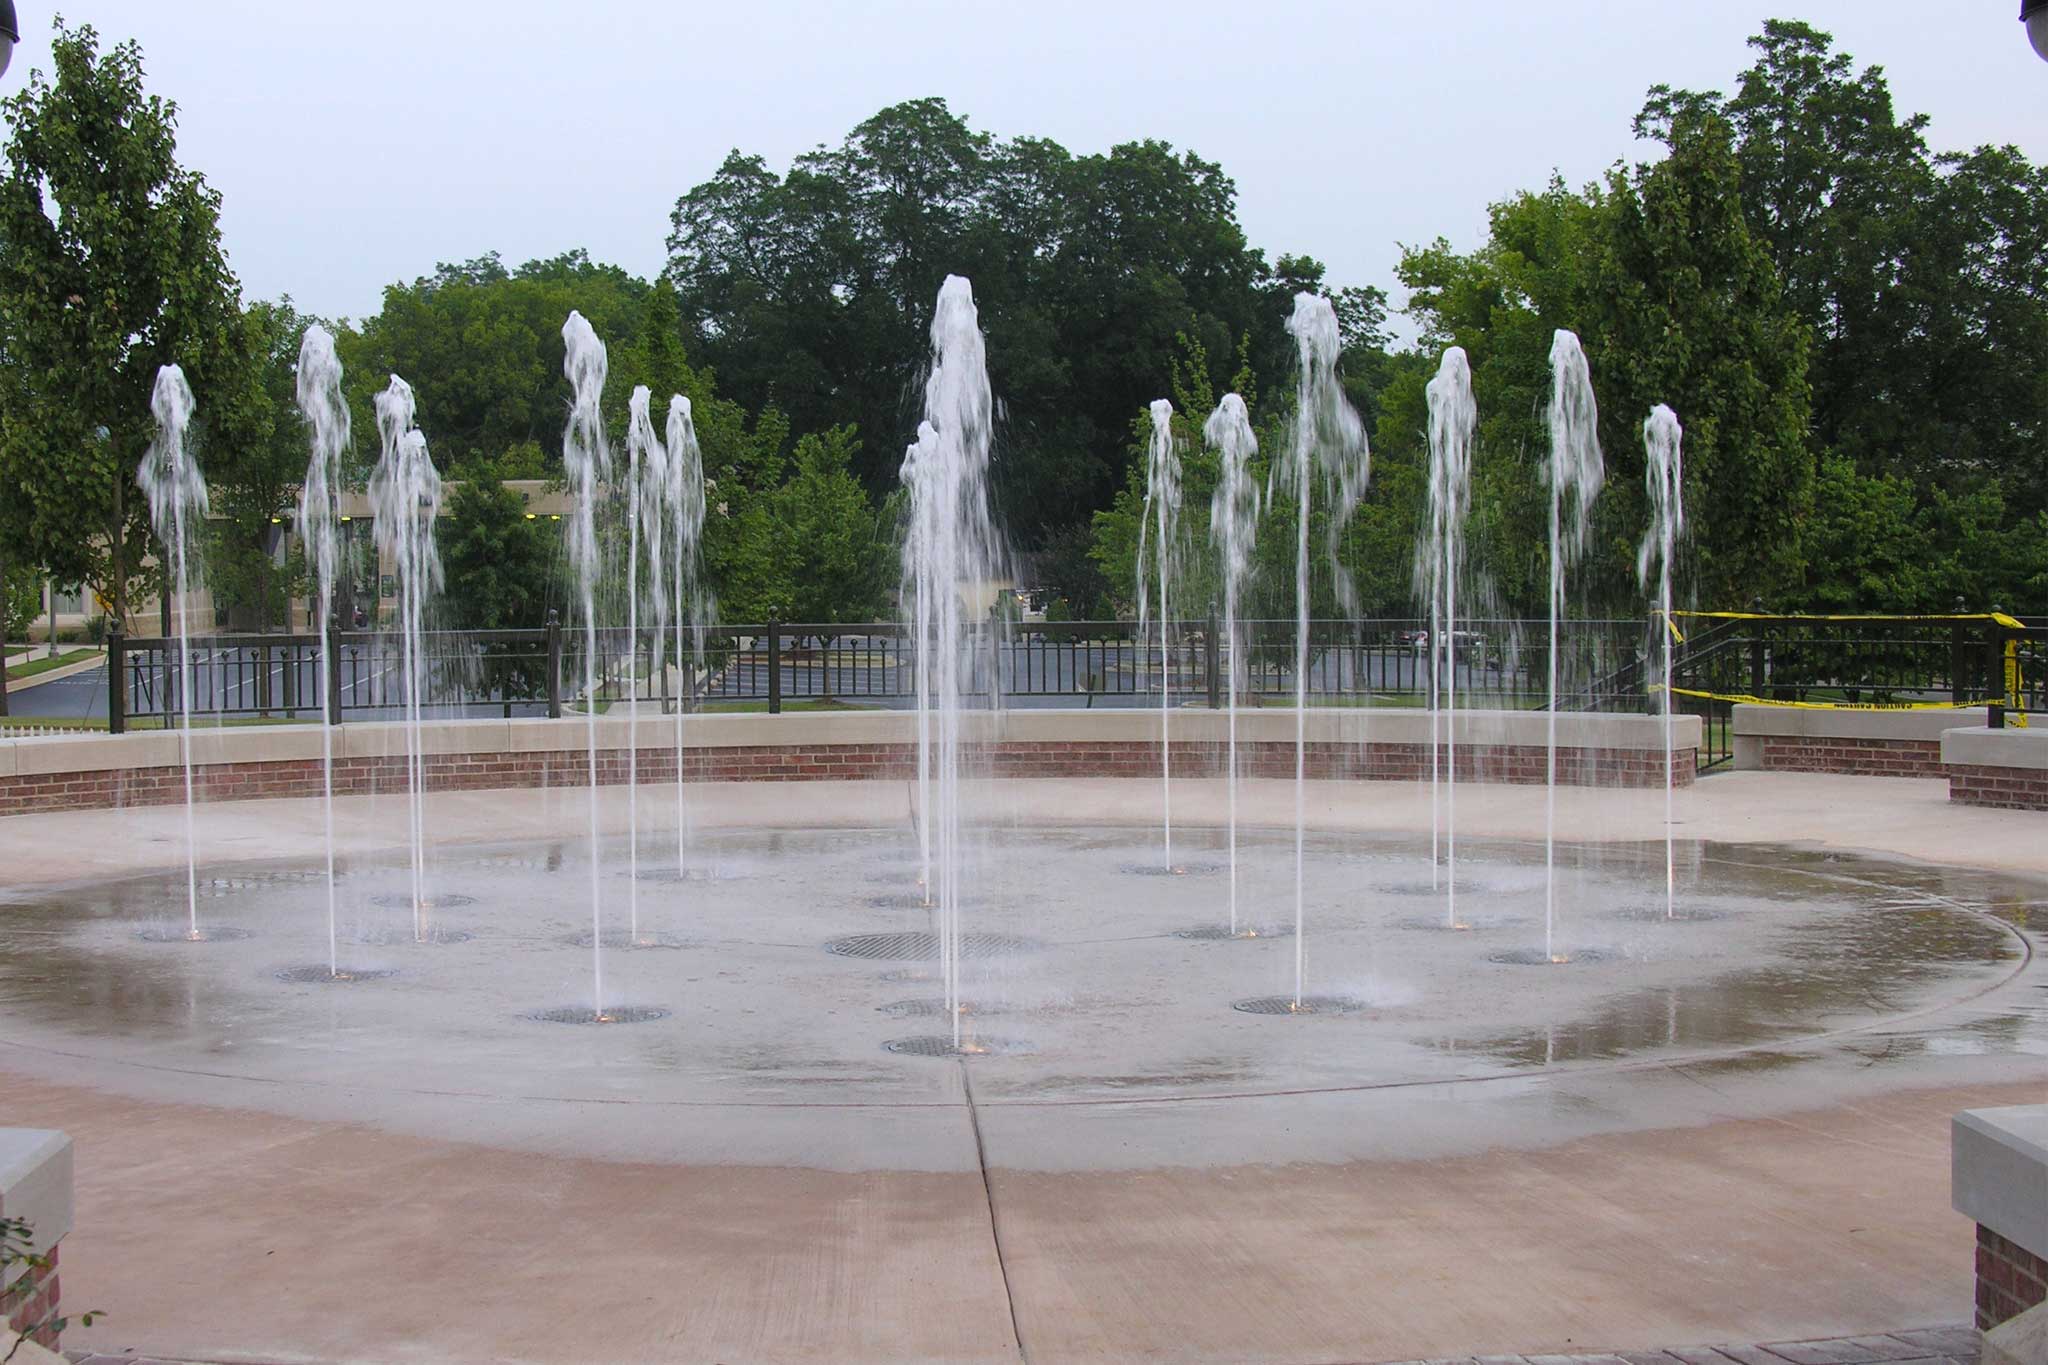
[760, 707]
[136, 723]
[35, 666]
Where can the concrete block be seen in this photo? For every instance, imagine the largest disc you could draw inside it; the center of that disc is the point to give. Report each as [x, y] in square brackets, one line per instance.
[1999, 1172]
[1981, 747]
[36, 1185]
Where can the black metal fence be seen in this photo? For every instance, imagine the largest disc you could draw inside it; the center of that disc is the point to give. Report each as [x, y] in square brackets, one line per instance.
[1607, 665]
[776, 666]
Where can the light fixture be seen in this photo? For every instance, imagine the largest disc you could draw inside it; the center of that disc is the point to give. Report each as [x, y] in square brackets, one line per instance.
[10, 34]
[529, 516]
[2033, 13]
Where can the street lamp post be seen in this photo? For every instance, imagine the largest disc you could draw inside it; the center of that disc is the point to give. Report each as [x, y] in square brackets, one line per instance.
[2034, 14]
[10, 34]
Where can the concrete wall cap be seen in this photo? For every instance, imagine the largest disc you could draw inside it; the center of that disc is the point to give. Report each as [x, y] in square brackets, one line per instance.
[1999, 1172]
[35, 1183]
[1981, 747]
[1807, 722]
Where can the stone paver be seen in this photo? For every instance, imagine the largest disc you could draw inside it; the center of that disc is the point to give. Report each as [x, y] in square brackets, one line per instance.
[1920, 1346]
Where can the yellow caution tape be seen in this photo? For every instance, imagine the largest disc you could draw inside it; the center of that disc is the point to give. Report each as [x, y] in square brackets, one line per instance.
[2009, 622]
[2015, 718]
[1997, 617]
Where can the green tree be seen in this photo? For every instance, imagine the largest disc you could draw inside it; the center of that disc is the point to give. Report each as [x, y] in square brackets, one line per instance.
[1921, 277]
[113, 267]
[253, 473]
[1675, 302]
[499, 562]
[812, 290]
[843, 555]
[482, 347]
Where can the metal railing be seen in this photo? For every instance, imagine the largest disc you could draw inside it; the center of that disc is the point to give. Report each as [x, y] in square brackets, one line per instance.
[1603, 665]
[775, 666]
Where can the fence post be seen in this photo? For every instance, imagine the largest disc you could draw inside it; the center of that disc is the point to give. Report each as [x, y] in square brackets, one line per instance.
[1994, 657]
[331, 640]
[117, 680]
[555, 665]
[1214, 661]
[775, 668]
[1756, 660]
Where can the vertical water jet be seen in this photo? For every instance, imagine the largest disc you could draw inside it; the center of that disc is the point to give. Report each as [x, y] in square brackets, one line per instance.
[1159, 531]
[951, 546]
[683, 494]
[1233, 525]
[647, 484]
[405, 498]
[327, 420]
[1453, 416]
[177, 500]
[1328, 441]
[587, 459]
[1576, 473]
[1664, 479]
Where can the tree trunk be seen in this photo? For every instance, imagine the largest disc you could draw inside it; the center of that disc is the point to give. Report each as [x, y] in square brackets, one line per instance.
[117, 595]
[3, 631]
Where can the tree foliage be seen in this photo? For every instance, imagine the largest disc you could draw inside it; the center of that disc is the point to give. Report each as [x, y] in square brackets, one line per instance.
[812, 290]
[112, 268]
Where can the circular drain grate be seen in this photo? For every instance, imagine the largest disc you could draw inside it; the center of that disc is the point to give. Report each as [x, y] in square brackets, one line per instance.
[323, 976]
[624, 941]
[1467, 924]
[206, 933]
[401, 901]
[1309, 1004]
[1658, 914]
[1415, 888]
[934, 1009]
[934, 1045]
[1177, 870]
[397, 938]
[617, 1014]
[913, 945]
[915, 900]
[1564, 957]
[1220, 933]
[692, 875]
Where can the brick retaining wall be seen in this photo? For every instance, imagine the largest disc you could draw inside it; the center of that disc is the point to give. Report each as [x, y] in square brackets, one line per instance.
[1856, 757]
[156, 786]
[2002, 788]
[2010, 1279]
[31, 1299]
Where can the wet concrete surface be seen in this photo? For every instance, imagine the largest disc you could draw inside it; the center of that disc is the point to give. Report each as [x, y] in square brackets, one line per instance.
[1732, 1128]
[781, 986]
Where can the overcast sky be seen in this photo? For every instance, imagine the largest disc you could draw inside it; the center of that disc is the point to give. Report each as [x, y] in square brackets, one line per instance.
[358, 144]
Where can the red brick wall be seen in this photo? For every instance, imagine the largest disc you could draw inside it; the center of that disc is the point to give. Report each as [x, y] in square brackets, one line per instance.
[1861, 757]
[31, 1299]
[2005, 788]
[2010, 1279]
[767, 763]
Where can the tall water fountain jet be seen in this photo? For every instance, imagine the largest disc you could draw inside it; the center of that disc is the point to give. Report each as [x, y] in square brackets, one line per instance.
[1453, 415]
[405, 498]
[1233, 525]
[1328, 440]
[647, 487]
[951, 545]
[587, 459]
[327, 422]
[683, 499]
[177, 506]
[1664, 478]
[1159, 532]
[920, 461]
[1576, 473]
